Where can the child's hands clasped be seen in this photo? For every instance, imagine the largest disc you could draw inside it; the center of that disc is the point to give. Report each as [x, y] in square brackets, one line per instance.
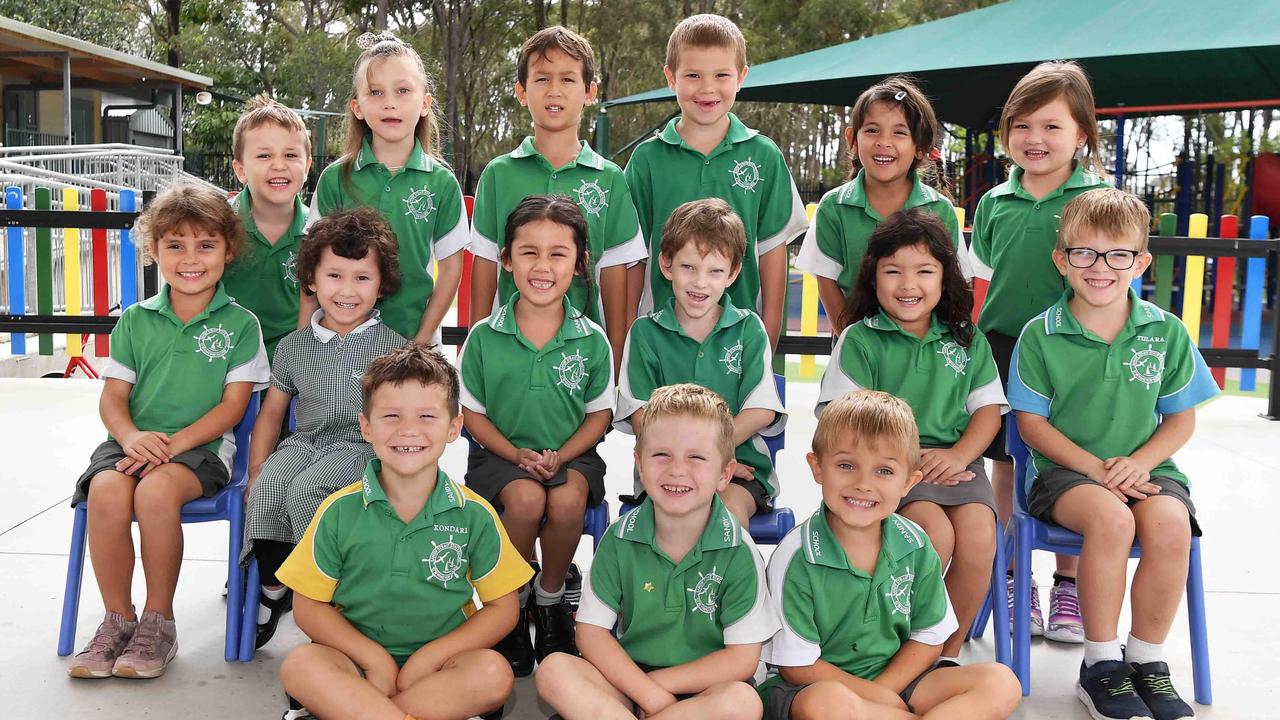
[145, 451]
[943, 466]
[1127, 478]
[542, 465]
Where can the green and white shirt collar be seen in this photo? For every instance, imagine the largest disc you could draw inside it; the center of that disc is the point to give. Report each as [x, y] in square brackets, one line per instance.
[1080, 178]
[854, 194]
[160, 303]
[899, 538]
[884, 323]
[730, 315]
[1058, 320]
[418, 159]
[446, 496]
[586, 156]
[575, 325]
[736, 133]
[722, 531]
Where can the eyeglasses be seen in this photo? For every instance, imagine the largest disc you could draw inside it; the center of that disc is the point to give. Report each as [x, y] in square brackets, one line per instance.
[1080, 257]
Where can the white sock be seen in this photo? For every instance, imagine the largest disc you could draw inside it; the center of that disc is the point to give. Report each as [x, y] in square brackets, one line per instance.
[544, 598]
[1141, 651]
[1095, 652]
[264, 612]
[524, 594]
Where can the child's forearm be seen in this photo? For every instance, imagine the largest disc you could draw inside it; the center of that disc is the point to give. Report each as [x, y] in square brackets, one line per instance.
[635, 289]
[599, 648]
[487, 434]
[613, 297]
[977, 436]
[216, 422]
[735, 663]
[773, 291]
[482, 630]
[266, 427]
[911, 659]
[1173, 432]
[323, 623]
[1050, 442]
[113, 408]
[484, 283]
[586, 436]
[832, 298]
[823, 670]
[307, 306]
[751, 421]
[444, 290]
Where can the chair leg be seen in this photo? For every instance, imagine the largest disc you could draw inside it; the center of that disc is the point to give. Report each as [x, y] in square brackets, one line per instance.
[249, 619]
[1022, 603]
[998, 599]
[75, 574]
[235, 579]
[1199, 631]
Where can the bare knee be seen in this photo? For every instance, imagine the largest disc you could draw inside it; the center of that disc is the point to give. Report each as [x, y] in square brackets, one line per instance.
[557, 677]
[1165, 533]
[299, 664]
[523, 501]
[1111, 525]
[491, 678]
[936, 524]
[566, 504]
[111, 495]
[164, 491]
[828, 700]
[975, 543]
[736, 700]
[999, 688]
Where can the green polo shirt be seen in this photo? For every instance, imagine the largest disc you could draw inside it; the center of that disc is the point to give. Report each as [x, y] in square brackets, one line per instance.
[404, 585]
[1012, 246]
[423, 204]
[734, 361]
[179, 370]
[834, 612]
[944, 382]
[670, 613]
[837, 239]
[1107, 398]
[745, 170]
[537, 398]
[265, 278]
[597, 185]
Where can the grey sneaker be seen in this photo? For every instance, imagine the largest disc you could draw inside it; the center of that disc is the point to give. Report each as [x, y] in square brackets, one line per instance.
[99, 656]
[154, 644]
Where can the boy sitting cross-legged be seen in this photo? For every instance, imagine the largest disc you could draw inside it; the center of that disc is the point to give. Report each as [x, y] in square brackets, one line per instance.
[384, 575]
[1105, 386]
[678, 577]
[859, 589]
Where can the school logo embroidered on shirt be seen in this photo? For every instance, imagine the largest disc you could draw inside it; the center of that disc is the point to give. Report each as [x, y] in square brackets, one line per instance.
[1146, 366]
[290, 268]
[706, 594]
[955, 356]
[214, 342]
[900, 592]
[733, 359]
[746, 174]
[573, 370]
[591, 197]
[445, 561]
[420, 204]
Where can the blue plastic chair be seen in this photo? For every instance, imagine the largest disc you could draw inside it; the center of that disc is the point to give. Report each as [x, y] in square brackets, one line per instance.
[1027, 533]
[996, 612]
[227, 504]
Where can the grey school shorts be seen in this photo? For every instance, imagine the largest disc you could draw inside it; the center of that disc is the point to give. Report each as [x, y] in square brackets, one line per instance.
[978, 490]
[487, 474]
[207, 467]
[1050, 486]
[777, 704]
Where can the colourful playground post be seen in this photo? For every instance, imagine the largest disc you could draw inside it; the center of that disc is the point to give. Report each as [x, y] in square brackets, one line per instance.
[1193, 279]
[71, 269]
[1164, 265]
[101, 279]
[44, 268]
[1255, 285]
[1224, 271]
[809, 310]
[128, 255]
[17, 270]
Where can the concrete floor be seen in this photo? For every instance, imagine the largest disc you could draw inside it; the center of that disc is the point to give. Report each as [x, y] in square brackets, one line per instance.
[50, 426]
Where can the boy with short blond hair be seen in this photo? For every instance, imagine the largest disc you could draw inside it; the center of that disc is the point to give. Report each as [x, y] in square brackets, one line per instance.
[385, 573]
[678, 577]
[859, 589]
[699, 336]
[708, 152]
[555, 80]
[271, 156]
[1105, 387]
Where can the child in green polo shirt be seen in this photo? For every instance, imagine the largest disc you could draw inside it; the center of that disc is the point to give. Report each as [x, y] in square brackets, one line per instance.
[891, 136]
[348, 261]
[537, 397]
[555, 80]
[391, 163]
[1047, 122]
[387, 569]
[909, 333]
[678, 578]
[700, 337]
[1105, 387]
[271, 153]
[183, 365]
[708, 152]
[859, 589]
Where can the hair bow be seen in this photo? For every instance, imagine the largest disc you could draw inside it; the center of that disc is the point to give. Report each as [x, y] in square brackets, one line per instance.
[368, 40]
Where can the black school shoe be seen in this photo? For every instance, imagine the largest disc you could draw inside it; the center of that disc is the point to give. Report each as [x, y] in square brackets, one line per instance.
[517, 648]
[1156, 690]
[278, 608]
[573, 587]
[553, 630]
[1107, 691]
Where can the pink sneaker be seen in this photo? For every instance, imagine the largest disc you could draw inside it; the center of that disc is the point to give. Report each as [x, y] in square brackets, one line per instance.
[1037, 618]
[154, 644]
[1065, 623]
[99, 656]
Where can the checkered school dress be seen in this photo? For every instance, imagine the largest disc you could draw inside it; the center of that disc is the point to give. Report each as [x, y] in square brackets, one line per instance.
[326, 452]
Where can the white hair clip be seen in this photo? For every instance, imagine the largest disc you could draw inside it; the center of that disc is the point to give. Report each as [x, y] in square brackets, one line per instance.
[900, 95]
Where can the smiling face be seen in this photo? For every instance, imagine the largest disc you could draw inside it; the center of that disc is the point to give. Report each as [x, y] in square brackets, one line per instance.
[391, 97]
[191, 259]
[698, 281]
[862, 481]
[555, 92]
[409, 424]
[884, 144]
[1100, 286]
[706, 82]
[680, 464]
[274, 163]
[1044, 142]
[908, 287]
[542, 260]
[346, 289]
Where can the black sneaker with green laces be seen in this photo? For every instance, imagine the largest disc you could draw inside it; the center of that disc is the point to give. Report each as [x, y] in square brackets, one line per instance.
[1106, 689]
[1156, 690]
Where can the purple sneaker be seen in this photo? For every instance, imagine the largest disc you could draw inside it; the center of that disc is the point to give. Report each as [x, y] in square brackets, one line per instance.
[1065, 624]
[154, 644]
[99, 656]
[1037, 618]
